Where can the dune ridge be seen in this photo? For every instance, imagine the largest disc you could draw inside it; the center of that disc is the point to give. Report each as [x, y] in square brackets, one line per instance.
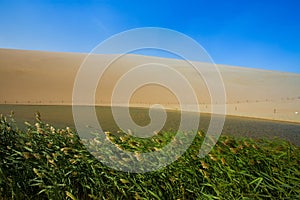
[47, 78]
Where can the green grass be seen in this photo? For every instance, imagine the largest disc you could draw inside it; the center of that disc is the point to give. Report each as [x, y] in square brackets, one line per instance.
[42, 162]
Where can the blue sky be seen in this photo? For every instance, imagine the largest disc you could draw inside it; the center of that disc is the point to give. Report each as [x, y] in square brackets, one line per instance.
[257, 33]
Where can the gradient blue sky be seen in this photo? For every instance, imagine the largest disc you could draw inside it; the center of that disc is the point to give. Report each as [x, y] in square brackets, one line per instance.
[257, 33]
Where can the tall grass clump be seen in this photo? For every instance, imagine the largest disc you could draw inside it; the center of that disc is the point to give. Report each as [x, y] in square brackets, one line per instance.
[42, 162]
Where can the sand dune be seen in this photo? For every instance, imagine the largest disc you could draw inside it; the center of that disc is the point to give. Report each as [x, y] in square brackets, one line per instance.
[46, 78]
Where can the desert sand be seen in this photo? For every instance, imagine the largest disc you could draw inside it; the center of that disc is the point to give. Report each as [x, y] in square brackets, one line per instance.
[47, 78]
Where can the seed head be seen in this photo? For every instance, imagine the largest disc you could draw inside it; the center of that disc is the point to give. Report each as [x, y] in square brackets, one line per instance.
[37, 172]
[213, 157]
[204, 173]
[123, 139]
[233, 150]
[200, 134]
[138, 156]
[65, 150]
[26, 155]
[204, 164]
[51, 161]
[240, 147]
[68, 129]
[72, 161]
[37, 156]
[38, 116]
[254, 146]
[28, 143]
[223, 161]
[246, 144]
[27, 123]
[49, 145]
[119, 147]
[52, 129]
[156, 149]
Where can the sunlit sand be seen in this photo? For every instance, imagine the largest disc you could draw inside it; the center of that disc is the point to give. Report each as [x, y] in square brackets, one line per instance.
[47, 78]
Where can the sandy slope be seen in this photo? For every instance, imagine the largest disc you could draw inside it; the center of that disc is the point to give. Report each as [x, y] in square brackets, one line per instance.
[35, 77]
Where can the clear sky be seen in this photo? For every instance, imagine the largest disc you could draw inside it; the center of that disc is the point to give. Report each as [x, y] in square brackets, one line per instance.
[255, 33]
